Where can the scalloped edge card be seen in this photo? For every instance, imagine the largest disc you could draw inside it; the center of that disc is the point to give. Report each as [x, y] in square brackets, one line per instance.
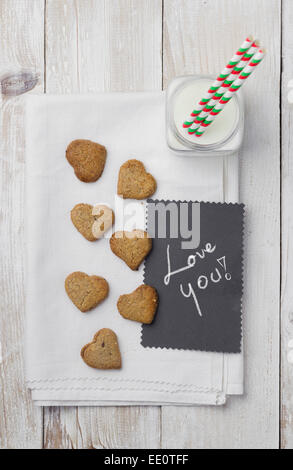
[196, 266]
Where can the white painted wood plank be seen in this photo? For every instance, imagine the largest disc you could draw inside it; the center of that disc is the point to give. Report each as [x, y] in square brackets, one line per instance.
[60, 428]
[287, 233]
[134, 427]
[102, 45]
[22, 45]
[199, 37]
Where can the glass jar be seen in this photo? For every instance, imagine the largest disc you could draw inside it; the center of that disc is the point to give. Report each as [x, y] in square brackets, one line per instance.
[223, 137]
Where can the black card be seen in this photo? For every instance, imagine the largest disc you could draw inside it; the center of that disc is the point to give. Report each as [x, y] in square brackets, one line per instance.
[196, 267]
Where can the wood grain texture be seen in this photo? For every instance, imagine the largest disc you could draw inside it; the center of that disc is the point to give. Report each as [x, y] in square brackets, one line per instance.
[22, 45]
[103, 45]
[191, 45]
[287, 233]
[91, 46]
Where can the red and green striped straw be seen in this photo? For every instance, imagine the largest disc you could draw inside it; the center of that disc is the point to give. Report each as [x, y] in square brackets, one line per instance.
[227, 83]
[219, 81]
[247, 71]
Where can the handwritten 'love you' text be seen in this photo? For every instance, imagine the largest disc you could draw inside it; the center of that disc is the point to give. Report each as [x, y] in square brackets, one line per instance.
[201, 282]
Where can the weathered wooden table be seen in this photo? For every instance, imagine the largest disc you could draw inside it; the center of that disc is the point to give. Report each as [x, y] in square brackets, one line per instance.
[121, 45]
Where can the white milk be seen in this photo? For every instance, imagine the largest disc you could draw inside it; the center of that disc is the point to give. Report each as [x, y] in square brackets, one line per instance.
[186, 99]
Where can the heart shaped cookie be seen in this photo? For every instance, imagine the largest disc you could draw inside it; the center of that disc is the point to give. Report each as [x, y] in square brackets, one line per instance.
[132, 247]
[86, 292]
[134, 182]
[92, 222]
[140, 305]
[104, 219]
[87, 158]
[103, 352]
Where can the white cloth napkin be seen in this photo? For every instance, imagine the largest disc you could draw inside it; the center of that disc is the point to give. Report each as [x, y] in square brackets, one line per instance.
[130, 125]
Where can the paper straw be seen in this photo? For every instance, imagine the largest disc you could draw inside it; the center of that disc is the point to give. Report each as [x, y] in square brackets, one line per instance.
[227, 83]
[247, 71]
[220, 79]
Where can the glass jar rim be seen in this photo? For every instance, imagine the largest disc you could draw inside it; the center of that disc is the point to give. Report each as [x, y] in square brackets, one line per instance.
[186, 142]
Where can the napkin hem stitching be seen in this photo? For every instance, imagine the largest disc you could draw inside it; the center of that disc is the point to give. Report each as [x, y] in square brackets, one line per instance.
[125, 389]
[186, 387]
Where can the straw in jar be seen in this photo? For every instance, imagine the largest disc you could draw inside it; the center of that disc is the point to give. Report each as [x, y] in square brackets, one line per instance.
[227, 83]
[219, 81]
[247, 71]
